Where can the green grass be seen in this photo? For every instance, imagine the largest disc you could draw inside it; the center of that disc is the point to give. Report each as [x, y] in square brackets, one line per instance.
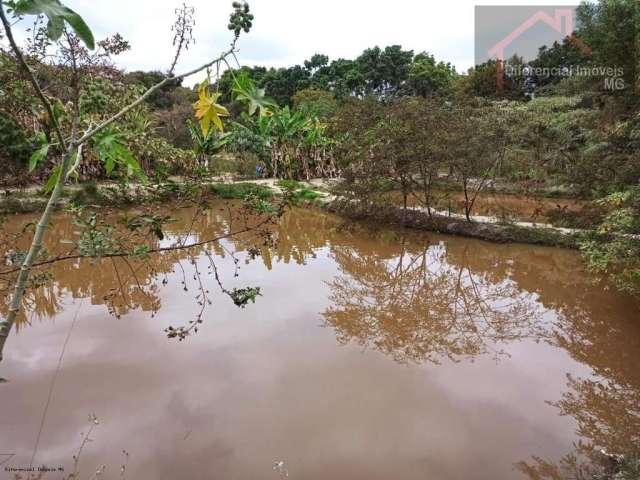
[300, 192]
[289, 184]
[306, 195]
[240, 190]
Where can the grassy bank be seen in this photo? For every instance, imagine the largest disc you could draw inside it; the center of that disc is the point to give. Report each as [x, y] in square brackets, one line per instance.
[120, 196]
[34, 200]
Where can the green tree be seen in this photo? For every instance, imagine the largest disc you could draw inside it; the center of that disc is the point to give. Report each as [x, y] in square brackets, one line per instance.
[160, 99]
[388, 146]
[428, 77]
[610, 28]
[384, 72]
[316, 62]
[563, 57]
[475, 145]
[484, 81]
[321, 103]
[282, 84]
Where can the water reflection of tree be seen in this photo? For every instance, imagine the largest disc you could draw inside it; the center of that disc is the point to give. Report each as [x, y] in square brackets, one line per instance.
[415, 306]
[594, 327]
[128, 283]
[605, 407]
[463, 299]
[608, 424]
[298, 236]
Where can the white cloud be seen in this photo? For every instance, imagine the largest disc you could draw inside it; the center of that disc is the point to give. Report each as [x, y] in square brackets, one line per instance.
[287, 32]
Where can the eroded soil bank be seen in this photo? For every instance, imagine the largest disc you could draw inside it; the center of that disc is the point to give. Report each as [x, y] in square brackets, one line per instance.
[392, 215]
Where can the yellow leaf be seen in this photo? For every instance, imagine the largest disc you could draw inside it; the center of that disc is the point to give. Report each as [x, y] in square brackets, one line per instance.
[207, 109]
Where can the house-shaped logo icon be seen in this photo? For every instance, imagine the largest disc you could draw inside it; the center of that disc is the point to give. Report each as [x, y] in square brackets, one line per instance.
[555, 22]
[560, 20]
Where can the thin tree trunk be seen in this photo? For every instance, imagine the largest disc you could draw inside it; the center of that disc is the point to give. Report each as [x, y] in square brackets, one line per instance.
[36, 247]
[405, 194]
[467, 209]
[426, 187]
[275, 153]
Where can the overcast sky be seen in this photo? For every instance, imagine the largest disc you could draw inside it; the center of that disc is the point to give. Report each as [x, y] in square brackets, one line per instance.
[287, 32]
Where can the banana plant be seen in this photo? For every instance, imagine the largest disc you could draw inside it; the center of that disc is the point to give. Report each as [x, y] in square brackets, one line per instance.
[288, 131]
[288, 125]
[205, 145]
[294, 137]
[262, 126]
[315, 135]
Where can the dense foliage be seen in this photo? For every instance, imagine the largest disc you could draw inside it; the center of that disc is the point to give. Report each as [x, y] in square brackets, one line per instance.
[386, 72]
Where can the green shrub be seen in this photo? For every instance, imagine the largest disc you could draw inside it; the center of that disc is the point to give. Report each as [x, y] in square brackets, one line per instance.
[614, 246]
[299, 192]
[15, 146]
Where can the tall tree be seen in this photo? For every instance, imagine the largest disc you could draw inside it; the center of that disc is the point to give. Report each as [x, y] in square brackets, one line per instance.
[385, 72]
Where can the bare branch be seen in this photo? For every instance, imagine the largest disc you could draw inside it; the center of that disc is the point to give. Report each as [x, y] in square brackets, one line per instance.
[183, 29]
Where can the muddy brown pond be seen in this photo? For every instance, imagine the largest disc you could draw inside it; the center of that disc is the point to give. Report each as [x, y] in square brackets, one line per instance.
[371, 354]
